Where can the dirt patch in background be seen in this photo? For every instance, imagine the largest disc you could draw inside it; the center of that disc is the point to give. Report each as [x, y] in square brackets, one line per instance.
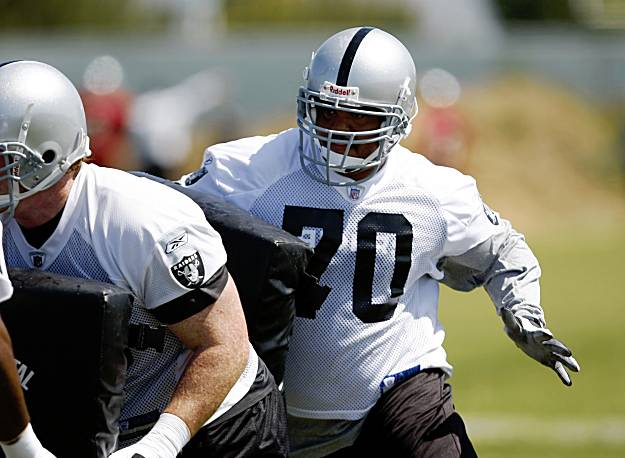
[543, 157]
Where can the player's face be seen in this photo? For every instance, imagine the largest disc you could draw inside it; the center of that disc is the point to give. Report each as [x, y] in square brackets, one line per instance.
[349, 122]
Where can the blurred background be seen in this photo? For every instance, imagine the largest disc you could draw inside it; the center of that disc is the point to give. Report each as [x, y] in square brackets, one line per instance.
[528, 97]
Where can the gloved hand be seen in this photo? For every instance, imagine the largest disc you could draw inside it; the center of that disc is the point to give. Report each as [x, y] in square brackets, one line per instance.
[165, 440]
[530, 335]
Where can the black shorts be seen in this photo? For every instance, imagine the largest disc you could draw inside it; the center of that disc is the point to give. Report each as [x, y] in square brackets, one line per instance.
[254, 427]
[414, 419]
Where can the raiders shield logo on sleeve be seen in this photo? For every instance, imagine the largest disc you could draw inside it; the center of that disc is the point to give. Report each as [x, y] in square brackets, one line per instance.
[189, 271]
[491, 215]
[199, 173]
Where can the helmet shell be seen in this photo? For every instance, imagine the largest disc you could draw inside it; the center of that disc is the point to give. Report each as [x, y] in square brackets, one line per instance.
[43, 130]
[364, 71]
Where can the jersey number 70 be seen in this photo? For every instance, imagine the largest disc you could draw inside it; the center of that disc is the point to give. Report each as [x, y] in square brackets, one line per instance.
[331, 222]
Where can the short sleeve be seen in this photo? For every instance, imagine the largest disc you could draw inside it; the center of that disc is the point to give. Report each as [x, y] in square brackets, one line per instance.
[184, 259]
[469, 220]
[226, 168]
[241, 170]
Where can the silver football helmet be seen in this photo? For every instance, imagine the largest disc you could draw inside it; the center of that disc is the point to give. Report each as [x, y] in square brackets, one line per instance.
[361, 70]
[42, 129]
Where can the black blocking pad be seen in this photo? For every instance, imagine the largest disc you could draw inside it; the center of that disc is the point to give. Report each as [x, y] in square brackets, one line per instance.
[69, 337]
[268, 266]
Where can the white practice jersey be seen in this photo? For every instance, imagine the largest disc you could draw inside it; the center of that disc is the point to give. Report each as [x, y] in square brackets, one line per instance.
[377, 245]
[6, 288]
[142, 236]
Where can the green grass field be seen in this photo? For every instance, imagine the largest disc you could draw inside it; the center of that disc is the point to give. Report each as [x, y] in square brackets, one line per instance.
[514, 407]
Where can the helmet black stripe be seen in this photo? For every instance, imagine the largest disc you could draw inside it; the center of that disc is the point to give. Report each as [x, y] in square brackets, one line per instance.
[350, 53]
[2, 64]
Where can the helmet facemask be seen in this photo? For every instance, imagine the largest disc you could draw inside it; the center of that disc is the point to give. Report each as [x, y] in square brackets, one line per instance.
[393, 124]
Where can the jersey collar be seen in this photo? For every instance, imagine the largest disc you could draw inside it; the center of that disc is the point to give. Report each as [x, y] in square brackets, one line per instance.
[43, 257]
[356, 192]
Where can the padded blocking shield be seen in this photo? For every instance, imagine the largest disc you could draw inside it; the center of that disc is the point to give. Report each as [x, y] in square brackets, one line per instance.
[69, 336]
[268, 266]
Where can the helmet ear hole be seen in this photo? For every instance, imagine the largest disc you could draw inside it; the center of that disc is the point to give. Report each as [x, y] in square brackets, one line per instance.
[50, 151]
[48, 156]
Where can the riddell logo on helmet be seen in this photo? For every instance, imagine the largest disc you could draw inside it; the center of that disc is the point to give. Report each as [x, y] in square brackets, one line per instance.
[340, 91]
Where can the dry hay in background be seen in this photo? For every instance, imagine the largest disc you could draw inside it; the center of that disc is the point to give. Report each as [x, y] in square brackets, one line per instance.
[543, 157]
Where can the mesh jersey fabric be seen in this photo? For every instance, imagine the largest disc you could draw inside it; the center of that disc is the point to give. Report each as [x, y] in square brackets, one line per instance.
[125, 230]
[378, 244]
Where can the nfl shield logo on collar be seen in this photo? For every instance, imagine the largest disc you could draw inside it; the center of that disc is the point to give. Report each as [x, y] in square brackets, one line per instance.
[354, 192]
[37, 258]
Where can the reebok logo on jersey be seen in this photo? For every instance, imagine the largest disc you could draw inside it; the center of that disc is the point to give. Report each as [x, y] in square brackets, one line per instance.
[176, 242]
[189, 271]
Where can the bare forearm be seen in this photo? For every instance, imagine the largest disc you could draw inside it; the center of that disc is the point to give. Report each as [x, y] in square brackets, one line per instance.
[218, 337]
[206, 381]
[14, 416]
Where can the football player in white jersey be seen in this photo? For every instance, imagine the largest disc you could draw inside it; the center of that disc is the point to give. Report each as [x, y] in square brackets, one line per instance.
[366, 369]
[17, 438]
[193, 381]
